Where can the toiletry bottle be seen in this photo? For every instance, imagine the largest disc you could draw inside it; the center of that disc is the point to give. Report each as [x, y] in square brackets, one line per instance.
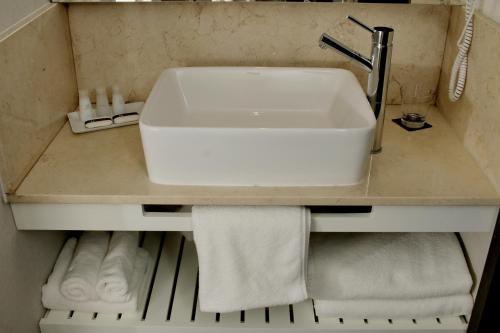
[118, 101]
[85, 107]
[102, 103]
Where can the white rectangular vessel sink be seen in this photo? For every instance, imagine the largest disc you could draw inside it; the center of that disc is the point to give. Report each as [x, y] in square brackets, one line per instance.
[245, 126]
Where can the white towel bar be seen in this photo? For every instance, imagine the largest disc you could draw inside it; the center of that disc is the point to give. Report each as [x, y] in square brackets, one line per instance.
[135, 217]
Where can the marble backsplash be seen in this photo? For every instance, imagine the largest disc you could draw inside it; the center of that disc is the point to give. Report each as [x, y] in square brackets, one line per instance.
[130, 44]
[476, 116]
[37, 89]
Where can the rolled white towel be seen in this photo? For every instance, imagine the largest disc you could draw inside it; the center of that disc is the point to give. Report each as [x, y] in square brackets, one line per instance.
[113, 283]
[79, 283]
[51, 289]
[454, 305]
[53, 299]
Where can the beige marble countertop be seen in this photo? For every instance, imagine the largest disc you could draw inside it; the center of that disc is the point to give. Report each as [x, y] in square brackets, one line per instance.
[428, 167]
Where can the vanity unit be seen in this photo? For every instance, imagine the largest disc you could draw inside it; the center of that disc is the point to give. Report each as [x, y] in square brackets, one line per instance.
[422, 182]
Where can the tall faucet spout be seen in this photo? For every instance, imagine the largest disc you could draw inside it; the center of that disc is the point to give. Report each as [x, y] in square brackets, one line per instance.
[328, 41]
[378, 66]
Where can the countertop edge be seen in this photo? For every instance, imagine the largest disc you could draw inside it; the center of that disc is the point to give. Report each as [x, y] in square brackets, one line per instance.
[266, 201]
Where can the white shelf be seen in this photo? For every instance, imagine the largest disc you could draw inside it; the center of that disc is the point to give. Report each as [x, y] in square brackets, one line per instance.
[134, 217]
[173, 307]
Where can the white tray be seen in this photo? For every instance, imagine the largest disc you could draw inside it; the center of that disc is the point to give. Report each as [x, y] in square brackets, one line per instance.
[78, 126]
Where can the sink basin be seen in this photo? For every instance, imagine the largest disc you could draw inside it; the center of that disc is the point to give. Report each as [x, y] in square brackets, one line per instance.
[245, 126]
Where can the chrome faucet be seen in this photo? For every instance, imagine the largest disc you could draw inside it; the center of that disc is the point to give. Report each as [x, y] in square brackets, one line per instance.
[378, 67]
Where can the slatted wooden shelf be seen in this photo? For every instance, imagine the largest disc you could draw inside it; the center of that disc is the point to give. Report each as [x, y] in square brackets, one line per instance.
[172, 306]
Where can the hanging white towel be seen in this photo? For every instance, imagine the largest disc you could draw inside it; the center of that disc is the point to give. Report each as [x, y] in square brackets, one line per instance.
[79, 283]
[250, 257]
[386, 266]
[432, 307]
[117, 268]
[54, 300]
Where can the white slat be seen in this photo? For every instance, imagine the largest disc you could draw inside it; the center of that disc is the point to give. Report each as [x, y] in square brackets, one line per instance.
[82, 317]
[330, 322]
[403, 323]
[383, 323]
[162, 288]
[151, 243]
[452, 322]
[255, 317]
[230, 319]
[106, 318]
[353, 323]
[279, 316]
[186, 283]
[428, 323]
[56, 316]
[303, 314]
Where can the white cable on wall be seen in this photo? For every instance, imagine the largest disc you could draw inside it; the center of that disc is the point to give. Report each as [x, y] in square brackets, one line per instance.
[459, 70]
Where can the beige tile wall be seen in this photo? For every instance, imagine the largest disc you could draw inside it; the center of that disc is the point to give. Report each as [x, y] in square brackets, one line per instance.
[37, 89]
[130, 44]
[26, 259]
[476, 116]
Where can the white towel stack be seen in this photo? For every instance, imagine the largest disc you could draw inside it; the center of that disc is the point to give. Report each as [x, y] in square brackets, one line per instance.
[251, 257]
[390, 275]
[97, 274]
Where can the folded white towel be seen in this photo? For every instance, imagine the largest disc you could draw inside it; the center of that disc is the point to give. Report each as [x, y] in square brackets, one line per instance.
[116, 270]
[250, 257]
[79, 283]
[53, 299]
[454, 305]
[386, 266]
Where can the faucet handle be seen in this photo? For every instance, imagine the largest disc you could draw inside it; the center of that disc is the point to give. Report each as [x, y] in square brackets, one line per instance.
[361, 24]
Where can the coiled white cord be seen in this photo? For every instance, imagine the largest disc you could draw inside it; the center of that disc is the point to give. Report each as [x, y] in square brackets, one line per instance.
[459, 70]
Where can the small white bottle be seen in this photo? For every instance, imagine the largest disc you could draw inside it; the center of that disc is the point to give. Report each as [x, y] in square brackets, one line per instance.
[102, 103]
[118, 101]
[85, 106]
